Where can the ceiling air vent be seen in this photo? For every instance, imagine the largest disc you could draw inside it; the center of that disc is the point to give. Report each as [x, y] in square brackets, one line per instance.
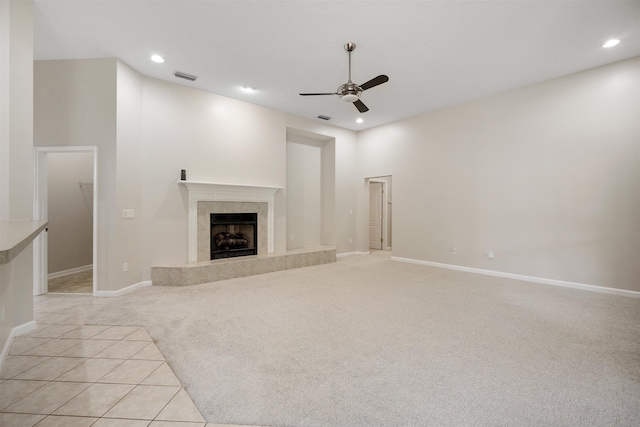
[185, 76]
[324, 117]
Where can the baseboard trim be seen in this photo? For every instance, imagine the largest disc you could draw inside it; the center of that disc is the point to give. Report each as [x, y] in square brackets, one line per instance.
[120, 292]
[348, 254]
[24, 328]
[69, 293]
[17, 331]
[553, 282]
[69, 271]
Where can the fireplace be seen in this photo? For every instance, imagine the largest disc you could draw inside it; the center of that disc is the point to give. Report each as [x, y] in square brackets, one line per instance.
[206, 198]
[233, 235]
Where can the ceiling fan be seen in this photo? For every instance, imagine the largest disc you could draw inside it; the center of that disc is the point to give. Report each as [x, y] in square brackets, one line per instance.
[350, 92]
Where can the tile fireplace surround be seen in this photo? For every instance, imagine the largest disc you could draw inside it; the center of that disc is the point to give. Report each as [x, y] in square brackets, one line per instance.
[206, 198]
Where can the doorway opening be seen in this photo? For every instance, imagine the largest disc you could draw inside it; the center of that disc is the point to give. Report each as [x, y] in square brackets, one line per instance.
[65, 257]
[380, 214]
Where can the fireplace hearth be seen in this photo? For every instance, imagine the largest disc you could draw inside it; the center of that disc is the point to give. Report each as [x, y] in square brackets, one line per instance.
[234, 235]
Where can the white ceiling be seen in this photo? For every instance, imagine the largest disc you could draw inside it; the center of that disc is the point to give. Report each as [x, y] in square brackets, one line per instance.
[436, 53]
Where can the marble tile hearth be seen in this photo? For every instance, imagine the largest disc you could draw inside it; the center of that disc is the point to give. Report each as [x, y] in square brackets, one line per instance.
[223, 269]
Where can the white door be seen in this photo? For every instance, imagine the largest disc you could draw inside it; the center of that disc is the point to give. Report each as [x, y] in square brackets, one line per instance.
[375, 215]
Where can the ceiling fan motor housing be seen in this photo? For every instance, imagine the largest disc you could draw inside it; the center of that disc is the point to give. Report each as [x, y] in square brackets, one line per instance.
[349, 92]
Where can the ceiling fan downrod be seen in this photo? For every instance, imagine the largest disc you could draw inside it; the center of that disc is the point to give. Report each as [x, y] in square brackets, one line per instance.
[350, 47]
[349, 92]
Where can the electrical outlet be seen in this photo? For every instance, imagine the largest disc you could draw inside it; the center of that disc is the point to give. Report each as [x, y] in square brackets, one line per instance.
[489, 254]
[125, 267]
[350, 240]
[128, 214]
[292, 237]
[454, 250]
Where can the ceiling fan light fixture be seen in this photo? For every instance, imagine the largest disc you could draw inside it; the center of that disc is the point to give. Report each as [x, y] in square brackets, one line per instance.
[349, 92]
[350, 97]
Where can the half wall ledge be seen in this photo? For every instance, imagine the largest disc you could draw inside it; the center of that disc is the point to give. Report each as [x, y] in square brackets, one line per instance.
[231, 268]
[16, 235]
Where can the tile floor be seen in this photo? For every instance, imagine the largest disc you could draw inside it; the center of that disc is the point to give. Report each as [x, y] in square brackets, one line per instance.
[66, 373]
[81, 283]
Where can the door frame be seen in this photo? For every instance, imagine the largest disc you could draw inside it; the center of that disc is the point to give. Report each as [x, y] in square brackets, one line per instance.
[40, 212]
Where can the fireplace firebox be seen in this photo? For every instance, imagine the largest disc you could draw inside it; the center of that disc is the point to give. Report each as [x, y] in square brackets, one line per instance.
[234, 235]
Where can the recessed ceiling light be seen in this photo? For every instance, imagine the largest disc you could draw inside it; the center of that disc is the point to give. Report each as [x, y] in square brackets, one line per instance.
[611, 43]
[157, 58]
[247, 89]
[359, 120]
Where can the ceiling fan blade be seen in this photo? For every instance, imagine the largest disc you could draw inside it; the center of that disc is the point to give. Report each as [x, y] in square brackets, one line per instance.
[374, 82]
[360, 106]
[314, 94]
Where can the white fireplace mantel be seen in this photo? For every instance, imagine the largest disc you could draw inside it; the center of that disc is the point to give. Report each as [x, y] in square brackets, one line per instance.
[217, 192]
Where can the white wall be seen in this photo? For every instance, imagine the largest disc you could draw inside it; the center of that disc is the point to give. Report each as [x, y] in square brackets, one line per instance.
[5, 87]
[21, 111]
[70, 236]
[215, 139]
[328, 194]
[546, 176]
[303, 195]
[327, 211]
[218, 139]
[16, 158]
[75, 105]
[131, 151]
[148, 130]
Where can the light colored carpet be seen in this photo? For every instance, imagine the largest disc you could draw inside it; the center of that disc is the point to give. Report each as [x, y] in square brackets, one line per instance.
[372, 342]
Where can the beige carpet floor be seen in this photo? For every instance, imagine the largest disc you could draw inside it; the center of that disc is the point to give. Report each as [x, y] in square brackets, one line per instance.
[368, 341]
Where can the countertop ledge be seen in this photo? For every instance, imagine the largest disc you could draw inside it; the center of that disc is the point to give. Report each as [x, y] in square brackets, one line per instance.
[15, 235]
